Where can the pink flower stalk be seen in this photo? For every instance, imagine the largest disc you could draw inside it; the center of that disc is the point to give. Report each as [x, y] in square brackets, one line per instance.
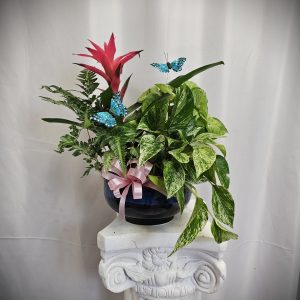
[112, 67]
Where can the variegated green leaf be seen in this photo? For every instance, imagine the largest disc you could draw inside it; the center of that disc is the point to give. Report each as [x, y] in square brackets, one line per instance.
[118, 148]
[180, 199]
[204, 138]
[150, 93]
[155, 114]
[165, 88]
[158, 181]
[220, 233]
[222, 170]
[149, 147]
[182, 111]
[174, 177]
[223, 205]
[222, 148]
[214, 125]
[196, 223]
[179, 155]
[204, 157]
[200, 102]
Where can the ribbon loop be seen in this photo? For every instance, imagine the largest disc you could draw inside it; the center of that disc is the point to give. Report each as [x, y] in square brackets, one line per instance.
[135, 177]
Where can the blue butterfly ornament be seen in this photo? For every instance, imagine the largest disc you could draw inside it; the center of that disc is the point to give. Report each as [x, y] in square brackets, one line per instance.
[104, 117]
[117, 108]
[175, 65]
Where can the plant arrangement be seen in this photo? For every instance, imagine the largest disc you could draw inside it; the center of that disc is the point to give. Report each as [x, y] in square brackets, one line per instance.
[167, 135]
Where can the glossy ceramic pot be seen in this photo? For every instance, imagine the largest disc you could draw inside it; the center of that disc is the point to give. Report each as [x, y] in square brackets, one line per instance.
[153, 209]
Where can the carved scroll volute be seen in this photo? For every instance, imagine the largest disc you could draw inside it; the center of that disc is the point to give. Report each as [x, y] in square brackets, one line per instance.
[208, 277]
[114, 276]
[153, 274]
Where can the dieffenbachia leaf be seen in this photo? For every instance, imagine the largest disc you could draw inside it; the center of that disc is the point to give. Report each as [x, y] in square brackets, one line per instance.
[182, 110]
[222, 170]
[214, 125]
[155, 114]
[174, 177]
[220, 233]
[195, 224]
[153, 92]
[223, 205]
[200, 102]
[180, 198]
[204, 157]
[179, 155]
[149, 147]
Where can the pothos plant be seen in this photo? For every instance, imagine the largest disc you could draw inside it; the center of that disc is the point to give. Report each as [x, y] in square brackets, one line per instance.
[168, 126]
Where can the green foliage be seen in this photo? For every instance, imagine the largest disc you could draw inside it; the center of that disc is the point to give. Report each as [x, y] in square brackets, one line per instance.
[204, 157]
[214, 125]
[169, 126]
[180, 199]
[179, 155]
[222, 170]
[174, 177]
[195, 224]
[183, 78]
[223, 205]
[149, 147]
[88, 83]
[220, 233]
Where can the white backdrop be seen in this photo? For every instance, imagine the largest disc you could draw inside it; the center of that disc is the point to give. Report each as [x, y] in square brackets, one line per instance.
[50, 216]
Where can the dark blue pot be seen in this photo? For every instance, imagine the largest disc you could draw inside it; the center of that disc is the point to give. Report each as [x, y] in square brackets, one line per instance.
[154, 208]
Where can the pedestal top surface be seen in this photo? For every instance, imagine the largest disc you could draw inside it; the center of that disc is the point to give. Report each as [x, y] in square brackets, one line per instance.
[121, 235]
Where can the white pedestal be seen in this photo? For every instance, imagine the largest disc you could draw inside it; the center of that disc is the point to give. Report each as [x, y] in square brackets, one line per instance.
[135, 260]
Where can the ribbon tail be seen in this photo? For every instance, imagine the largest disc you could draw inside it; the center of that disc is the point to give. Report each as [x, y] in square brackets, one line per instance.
[122, 202]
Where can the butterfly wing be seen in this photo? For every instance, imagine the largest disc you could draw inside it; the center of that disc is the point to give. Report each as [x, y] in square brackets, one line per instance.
[177, 64]
[117, 107]
[161, 67]
[105, 118]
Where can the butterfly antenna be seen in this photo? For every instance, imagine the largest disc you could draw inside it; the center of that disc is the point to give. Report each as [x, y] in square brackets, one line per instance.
[166, 56]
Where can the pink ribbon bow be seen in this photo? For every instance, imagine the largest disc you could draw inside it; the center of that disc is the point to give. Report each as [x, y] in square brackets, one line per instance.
[135, 177]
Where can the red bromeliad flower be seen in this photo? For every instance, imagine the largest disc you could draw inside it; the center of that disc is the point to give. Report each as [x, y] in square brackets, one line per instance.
[112, 66]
